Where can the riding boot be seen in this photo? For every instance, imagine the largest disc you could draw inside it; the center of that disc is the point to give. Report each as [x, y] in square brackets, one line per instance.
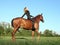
[33, 26]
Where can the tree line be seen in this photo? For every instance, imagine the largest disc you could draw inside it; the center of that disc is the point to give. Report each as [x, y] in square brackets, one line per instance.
[6, 30]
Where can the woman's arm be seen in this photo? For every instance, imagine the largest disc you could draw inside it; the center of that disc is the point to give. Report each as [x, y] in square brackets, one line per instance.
[23, 15]
[31, 16]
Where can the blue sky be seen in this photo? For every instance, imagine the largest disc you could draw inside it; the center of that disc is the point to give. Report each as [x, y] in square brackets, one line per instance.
[10, 9]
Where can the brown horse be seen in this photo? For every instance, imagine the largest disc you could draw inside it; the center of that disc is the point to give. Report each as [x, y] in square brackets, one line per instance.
[26, 24]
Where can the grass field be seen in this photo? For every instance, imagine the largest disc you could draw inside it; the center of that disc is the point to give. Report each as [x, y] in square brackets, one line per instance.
[28, 41]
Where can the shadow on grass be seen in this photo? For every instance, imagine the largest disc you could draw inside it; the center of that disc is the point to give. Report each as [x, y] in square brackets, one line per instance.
[21, 38]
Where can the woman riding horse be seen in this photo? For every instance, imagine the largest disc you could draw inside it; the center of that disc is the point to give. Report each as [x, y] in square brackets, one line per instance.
[27, 13]
[26, 24]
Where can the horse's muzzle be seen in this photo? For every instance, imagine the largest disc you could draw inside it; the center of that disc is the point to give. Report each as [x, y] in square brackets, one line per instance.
[42, 21]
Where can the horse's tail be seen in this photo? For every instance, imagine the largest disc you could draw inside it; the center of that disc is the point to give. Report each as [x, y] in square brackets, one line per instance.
[12, 23]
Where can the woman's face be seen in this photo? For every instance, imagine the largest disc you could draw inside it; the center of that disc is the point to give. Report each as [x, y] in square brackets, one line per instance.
[25, 9]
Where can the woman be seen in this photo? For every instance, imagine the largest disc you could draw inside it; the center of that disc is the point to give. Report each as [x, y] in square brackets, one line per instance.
[27, 13]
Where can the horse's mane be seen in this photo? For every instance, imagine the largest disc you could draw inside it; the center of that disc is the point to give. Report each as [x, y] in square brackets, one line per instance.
[36, 17]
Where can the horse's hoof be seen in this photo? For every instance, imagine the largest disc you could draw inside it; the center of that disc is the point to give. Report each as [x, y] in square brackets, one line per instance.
[13, 39]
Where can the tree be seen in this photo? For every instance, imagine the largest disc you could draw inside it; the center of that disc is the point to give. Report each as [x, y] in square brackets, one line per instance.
[1, 30]
[8, 30]
[47, 32]
[6, 27]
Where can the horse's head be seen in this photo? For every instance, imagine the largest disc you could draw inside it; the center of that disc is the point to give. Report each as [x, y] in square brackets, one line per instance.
[38, 18]
[41, 17]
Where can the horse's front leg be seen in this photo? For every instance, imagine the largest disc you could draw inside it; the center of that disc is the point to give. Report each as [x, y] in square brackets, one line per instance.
[32, 35]
[38, 34]
[13, 33]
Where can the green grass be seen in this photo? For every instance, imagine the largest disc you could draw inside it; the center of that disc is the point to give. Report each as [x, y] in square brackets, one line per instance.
[28, 41]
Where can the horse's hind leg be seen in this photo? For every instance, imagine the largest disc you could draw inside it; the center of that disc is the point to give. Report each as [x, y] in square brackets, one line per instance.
[13, 33]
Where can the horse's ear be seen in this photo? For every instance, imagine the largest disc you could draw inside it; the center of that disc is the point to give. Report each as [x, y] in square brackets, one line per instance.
[41, 13]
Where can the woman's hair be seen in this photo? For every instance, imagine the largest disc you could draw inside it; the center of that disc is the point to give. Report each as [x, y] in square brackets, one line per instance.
[25, 8]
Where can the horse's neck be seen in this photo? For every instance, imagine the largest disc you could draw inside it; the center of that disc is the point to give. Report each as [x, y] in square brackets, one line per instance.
[36, 19]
